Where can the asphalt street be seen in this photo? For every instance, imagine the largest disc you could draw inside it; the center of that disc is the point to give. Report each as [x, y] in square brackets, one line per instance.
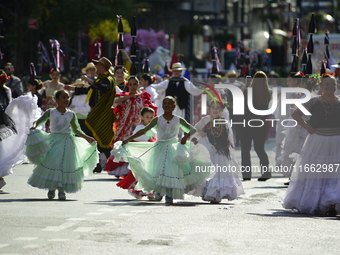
[104, 219]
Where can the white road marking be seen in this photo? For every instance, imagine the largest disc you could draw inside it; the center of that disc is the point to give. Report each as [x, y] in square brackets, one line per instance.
[138, 211]
[58, 240]
[76, 219]
[26, 238]
[126, 214]
[83, 229]
[3, 245]
[107, 221]
[61, 227]
[94, 213]
[31, 246]
[107, 210]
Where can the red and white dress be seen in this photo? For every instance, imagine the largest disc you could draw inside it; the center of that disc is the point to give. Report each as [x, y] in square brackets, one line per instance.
[129, 182]
[128, 118]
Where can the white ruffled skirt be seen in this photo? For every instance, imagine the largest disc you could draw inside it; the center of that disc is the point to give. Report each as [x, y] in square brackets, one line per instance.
[23, 111]
[168, 167]
[224, 182]
[315, 180]
[292, 145]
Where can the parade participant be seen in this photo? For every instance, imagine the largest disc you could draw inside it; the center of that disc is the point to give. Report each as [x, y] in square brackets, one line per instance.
[296, 136]
[337, 76]
[261, 98]
[120, 75]
[89, 72]
[160, 166]
[14, 83]
[23, 111]
[34, 86]
[79, 105]
[293, 81]
[61, 159]
[314, 185]
[129, 182]
[180, 88]
[232, 80]
[225, 183]
[49, 87]
[7, 125]
[127, 108]
[145, 81]
[100, 96]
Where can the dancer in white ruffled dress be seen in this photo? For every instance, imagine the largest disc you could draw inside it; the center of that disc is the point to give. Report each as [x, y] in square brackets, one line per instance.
[24, 111]
[296, 136]
[293, 81]
[315, 182]
[225, 183]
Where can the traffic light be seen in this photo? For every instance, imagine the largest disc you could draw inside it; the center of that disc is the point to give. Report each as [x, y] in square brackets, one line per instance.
[229, 46]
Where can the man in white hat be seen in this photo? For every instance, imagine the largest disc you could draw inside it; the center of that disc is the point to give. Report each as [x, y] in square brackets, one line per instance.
[178, 87]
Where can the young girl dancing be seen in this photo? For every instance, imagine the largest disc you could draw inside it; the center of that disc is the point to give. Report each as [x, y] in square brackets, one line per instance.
[156, 166]
[129, 182]
[62, 160]
[128, 106]
[225, 183]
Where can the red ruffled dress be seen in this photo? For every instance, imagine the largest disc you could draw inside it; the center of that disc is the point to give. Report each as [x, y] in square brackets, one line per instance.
[128, 117]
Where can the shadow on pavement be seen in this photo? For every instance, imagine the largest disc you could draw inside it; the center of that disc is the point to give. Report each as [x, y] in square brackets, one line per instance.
[294, 214]
[103, 180]
[35, 200]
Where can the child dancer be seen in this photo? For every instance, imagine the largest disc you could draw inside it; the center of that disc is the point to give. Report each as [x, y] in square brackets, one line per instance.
[62, 160]
[156, 166]
[128, 106]
[129, 182]
[225, 183]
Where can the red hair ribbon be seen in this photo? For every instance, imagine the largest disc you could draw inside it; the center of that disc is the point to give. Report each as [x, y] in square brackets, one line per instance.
[4, 78]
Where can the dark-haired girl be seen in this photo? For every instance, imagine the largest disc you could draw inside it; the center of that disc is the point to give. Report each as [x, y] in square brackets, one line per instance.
[34, 86]
[225, 183]
[145, 81]
[121, 74]
[160, 166]
[128, 106]
[61, 159]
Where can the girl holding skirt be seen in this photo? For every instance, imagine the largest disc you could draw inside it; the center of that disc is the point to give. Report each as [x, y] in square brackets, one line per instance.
[61, 159]
[167, 167]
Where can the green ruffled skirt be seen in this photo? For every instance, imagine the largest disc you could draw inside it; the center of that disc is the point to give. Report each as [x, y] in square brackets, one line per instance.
[62, 160]
[168, 168]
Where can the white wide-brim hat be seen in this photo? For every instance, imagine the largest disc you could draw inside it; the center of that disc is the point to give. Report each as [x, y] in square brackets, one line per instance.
[232, 73]
[177, 66]
[80, 82]
[87, 67]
